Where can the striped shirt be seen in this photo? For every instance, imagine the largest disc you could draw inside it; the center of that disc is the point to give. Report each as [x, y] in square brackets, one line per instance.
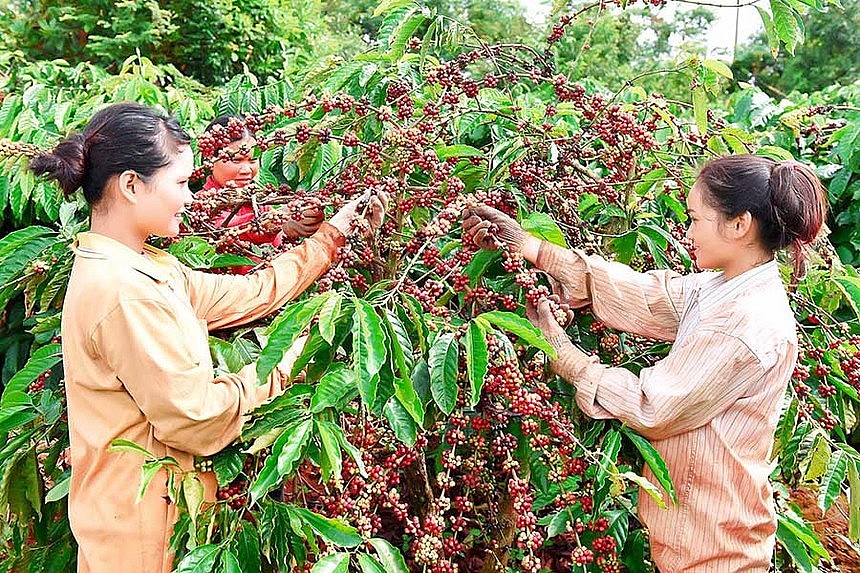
[710, 407]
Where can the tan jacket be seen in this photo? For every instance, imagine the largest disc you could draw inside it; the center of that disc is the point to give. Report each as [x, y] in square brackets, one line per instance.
[137, 366]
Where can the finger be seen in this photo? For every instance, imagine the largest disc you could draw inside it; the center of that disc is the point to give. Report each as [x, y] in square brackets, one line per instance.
[545, 310]
[377, 212]
[481, 239]
[384, 199]
[480, 227]
[471, 222]
[486, 212]
[311, 203]
[312, 216]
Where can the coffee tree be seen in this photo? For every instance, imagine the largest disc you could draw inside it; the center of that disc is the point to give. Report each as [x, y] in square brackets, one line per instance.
[423, 431]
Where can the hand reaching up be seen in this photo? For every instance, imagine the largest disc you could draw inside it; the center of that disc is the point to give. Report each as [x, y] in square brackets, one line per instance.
[491, 229]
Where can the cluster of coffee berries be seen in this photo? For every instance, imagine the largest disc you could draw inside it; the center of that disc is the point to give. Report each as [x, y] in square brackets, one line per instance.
[10, 148]
[38, 384]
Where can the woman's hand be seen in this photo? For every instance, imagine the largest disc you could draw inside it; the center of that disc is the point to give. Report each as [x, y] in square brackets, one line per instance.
[549, 316]
[491, 229]
[364, 215]
[310, 217]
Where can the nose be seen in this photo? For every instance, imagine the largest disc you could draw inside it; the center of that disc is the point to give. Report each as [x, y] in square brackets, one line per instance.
[245, 168]
[188, 197]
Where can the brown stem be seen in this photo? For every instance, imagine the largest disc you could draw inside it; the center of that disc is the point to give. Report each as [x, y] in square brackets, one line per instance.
[496, 559]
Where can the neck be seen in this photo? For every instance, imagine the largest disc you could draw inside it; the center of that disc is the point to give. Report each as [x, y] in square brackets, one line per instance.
[118, 229]
[748, 260]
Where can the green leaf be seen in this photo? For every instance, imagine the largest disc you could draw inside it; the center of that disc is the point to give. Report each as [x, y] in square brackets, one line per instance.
[477, 359]
[200, 559]
[329, 314]
[334, 563]
[814, 464]
[401, 421]
[368, 350]
[404, 391]
[770, 30]
[284, 331]
[401, 34]
[787, 24]
[542, 226]
[369, 564]
[803, 532]
[558, 523]
[247, 547]
[224, 355]
[353, 452]
[609, 452]
[390, 5]
[831, 483]
[718, 67]
[128, 446]
[391, 559]
[227, 464]
[445, 151]
[334, 388]
[332, 530]
[443, 362]
[148, 471]
[652, 490]
[655, 462]
[286, 451]
[192, 493]
[700, 109]
[330, 458]
[39, 362]
[850, 287]
[230, 563]
[624, 246]
[59, 491]
[399, 343]
[519, 326]
[854, 500]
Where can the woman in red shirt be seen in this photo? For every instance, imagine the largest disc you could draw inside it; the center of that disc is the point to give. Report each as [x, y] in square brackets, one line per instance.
[236, 165]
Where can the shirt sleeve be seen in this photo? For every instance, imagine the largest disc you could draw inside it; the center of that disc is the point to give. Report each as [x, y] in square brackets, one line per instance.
[649, 304]
[166, 370]
[230, 300]
[696, 381]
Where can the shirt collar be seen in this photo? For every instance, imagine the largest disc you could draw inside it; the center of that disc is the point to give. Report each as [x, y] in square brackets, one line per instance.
[153, 262]
[718, 288]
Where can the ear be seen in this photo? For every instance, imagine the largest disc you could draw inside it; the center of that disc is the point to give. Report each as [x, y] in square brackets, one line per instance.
[129, 183]
[742, 227]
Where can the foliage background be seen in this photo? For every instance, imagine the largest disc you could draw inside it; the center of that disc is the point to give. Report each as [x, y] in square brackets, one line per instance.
[223, 60]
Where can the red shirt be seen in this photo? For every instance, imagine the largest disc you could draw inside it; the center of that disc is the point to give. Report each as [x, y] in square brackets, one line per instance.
[243, 216]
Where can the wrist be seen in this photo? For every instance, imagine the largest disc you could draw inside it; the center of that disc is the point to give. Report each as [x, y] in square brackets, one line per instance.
[559, 340]
[530, 248]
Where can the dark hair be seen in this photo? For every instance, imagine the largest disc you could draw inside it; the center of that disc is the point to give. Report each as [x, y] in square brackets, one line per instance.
[119, 137]
[785, 198]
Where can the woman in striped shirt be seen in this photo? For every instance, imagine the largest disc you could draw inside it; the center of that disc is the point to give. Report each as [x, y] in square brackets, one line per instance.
[710, 407]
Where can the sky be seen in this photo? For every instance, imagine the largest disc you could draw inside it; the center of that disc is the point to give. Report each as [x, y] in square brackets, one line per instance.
[721, 36]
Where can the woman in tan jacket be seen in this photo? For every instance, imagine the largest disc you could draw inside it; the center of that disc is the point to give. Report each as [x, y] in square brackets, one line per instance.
[135, 331]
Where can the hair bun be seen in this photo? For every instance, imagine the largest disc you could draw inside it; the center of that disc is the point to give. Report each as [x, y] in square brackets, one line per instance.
[66, 163]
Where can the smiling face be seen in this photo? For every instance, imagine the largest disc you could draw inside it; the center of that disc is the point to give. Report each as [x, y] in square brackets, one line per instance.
[240, 167]
[713, 249]
[162, 199]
